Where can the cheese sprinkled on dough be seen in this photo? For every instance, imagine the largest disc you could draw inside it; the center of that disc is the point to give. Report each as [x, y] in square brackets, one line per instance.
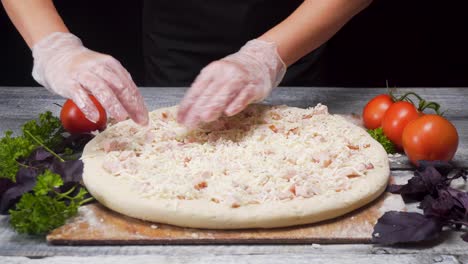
[262, 154]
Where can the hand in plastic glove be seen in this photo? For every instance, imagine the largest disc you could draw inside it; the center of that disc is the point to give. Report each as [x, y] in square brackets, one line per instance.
[65, 67]
[230, 84]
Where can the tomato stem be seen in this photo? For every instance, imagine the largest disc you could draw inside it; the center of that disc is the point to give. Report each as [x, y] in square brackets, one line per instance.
[405, 96]
[431, 105]
[423, 104]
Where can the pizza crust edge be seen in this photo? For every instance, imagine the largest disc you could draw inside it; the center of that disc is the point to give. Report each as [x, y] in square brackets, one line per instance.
[110, 192]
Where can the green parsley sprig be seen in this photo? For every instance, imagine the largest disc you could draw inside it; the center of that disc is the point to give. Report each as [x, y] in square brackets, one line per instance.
[46, 208]
[380, 137]
[47, 129]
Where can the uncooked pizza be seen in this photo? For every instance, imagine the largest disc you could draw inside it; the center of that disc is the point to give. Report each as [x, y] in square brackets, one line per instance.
[269, 166]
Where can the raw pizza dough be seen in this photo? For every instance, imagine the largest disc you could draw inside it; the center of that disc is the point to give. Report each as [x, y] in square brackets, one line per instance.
[269, 166]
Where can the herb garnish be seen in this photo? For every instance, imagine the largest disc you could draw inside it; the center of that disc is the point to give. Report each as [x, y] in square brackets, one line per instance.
[442, 205]
[41, 174]
[46, 208]
[380, 137]
[48, 131]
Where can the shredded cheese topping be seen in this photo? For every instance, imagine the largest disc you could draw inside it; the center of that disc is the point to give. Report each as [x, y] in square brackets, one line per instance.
[262, 154]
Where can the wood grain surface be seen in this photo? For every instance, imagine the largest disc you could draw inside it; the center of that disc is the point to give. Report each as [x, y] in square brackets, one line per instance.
[210, 258]
[96, 225]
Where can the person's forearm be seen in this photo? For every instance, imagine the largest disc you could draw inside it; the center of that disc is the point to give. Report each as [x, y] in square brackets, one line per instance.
[34, 19]
[311, 25]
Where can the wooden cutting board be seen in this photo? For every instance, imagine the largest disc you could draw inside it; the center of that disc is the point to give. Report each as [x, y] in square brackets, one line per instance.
[96, 225]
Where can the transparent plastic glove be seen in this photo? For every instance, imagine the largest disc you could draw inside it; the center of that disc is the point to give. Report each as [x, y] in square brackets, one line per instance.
[228, 85]
[65, 67]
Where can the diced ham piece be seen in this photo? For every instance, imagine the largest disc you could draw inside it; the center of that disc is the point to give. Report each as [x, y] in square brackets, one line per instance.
[292, 189]
[131, 165]
[289, 174]
[304, 192]
[261, 137]
[285, 195]
[364, 166]
[268, 152]
[201, 185]
[348, 172]
[353, 147]
[294, 131]
[232, 200]
[187, 160]
[133, 130]
[111, 166]
[361, 167]
[114, 145]
[124, 155]
[149, 136]
[273, 128]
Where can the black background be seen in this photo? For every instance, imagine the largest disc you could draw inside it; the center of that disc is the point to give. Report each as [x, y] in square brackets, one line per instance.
[407, 42]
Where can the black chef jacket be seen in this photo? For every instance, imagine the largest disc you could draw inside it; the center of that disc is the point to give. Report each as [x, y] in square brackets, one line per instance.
[181, 37]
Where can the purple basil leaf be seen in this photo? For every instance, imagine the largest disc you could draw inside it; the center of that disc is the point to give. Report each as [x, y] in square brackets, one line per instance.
[74, 141]
[25, 181]
[443, 207]
[70, 170]
[39, 159]
[40, 154]
[465, 237]
[414, 190]
[461, 199]
[5, 184]
[443, 167]
[404, 227]
[431, 178]
[424, 182]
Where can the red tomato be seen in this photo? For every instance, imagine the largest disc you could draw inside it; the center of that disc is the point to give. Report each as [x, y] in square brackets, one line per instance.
[75, 122]
[430, 137]
[395, 120]
[375, 109]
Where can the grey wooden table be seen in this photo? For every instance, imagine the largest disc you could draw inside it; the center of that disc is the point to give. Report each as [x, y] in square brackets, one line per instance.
[20, 104]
